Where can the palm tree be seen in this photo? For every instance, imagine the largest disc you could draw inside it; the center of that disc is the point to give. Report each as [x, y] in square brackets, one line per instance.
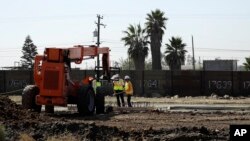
[155, 27]
[175, 53]
[136, 39]
[247, 64]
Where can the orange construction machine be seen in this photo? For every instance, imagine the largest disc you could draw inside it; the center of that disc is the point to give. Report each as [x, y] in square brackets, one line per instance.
[53, 86]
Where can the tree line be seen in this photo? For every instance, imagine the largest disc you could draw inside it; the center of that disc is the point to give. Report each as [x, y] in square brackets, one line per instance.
[137, 40]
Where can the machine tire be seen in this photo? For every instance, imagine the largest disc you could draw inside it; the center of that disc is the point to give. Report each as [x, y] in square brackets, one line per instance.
[49, 109]
[86, 100]
[100, 100]
[29, 98]
[109, 90]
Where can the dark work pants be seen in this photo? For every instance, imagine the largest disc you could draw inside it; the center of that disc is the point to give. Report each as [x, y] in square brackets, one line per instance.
[119, 95]
[129, 100]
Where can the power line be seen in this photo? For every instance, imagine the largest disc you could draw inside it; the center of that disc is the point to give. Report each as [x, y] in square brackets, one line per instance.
[43, 18]
[120, 15]
[222, 49]
[197, 49]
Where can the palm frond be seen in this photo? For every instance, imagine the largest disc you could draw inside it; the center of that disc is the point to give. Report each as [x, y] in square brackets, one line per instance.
[175, 52]
[136, 40]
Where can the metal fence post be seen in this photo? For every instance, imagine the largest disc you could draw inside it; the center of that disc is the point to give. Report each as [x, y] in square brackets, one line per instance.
[172, 82]
[232, 79]
[4, 81]
[143, 83]
[202, 82]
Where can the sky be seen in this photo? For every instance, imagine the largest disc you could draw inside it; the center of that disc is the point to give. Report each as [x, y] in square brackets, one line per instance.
[220, 28]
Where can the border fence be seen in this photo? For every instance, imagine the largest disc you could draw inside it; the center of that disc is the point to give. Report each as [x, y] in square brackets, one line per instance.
[150, 83]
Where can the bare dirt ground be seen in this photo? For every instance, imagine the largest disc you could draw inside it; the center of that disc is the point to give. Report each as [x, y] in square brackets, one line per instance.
[138, 123]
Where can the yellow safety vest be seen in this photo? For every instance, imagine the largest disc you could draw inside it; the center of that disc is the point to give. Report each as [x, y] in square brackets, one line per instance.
[129, 88]
[118, 85]
[96, 84]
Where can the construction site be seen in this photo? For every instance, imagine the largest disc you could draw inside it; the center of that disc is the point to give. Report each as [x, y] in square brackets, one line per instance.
[53, 103]
[55, 106]
[160, 119]
[162, 71]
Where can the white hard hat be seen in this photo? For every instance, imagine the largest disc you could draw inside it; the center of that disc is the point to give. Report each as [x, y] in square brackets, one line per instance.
[126, 77]
[113, 77]
[101, 77]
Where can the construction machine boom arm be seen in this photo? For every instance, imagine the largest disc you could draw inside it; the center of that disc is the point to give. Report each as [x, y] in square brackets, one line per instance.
[74, 54]
[79, 53]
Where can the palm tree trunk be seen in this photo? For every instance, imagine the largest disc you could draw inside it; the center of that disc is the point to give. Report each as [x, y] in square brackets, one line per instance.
[156, 53]
[139, 63]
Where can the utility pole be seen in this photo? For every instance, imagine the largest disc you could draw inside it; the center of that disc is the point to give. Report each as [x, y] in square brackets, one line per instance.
[193, 53]
[98, 23]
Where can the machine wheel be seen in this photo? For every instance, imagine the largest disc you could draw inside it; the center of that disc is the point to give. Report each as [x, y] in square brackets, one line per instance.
[100, 100]
[110, 90]
[29, 98]
[49, 109]
[86, 100]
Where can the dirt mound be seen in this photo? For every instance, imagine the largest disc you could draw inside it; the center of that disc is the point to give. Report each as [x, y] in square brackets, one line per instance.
[105, 133]
[121, 124]
[9, 110]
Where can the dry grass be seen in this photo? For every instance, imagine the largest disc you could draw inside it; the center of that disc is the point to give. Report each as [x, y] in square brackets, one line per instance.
[26, 137]
[17, 99]
[172, 100]
[65, 137]
[186, 100]
[2, 133]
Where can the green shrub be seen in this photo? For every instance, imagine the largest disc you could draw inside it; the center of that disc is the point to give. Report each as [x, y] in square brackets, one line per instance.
[2, 133]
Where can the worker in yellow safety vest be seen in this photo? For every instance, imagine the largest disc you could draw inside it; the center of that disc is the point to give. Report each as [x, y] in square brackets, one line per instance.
[119, 90]
[128, 90]
[95, 84]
